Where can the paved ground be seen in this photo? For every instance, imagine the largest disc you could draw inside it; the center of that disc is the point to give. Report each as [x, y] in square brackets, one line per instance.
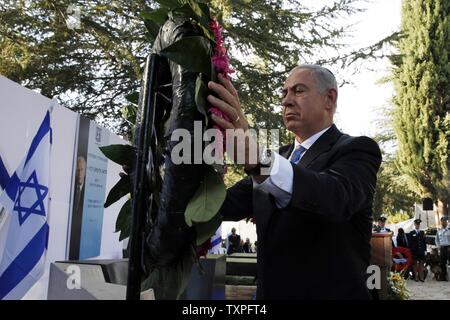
[428, 290]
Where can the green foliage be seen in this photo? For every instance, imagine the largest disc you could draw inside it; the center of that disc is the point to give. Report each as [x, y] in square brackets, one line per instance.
[391, 197]
[422, 104]
[205, 230]
[234, 174]
[397, 286]
[120, 189]
[122, 154]
[199, 57]
[201, 91]
[91, 69]
[169, 283]
[158, 16]
[123, 222]
[240, 280]
[207, 200]
[400, 216]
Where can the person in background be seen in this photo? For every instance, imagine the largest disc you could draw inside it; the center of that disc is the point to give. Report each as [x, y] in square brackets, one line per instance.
[443, 243]
[418, 247]
[247, 247]
[402, 239]
[381, 226]
[234, 241]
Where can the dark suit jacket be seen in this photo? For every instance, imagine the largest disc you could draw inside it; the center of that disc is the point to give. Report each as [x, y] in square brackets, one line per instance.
[318, 247]
[233, 243]
[403, 241]
[417, 243]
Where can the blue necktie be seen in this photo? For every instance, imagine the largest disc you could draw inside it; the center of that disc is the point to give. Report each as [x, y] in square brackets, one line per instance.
[298, 152]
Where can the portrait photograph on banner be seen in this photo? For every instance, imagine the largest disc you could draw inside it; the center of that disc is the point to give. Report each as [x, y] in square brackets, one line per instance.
[222, 154]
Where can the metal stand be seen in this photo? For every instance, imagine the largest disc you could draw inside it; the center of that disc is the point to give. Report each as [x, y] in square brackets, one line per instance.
[147, 103]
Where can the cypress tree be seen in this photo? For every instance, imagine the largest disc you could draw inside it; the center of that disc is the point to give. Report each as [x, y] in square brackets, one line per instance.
[422, 102]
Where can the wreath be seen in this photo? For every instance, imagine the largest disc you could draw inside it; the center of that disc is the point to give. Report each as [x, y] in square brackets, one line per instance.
[189, 46]
[405, 253]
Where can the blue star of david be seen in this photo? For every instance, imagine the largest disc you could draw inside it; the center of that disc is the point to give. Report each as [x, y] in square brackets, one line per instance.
[38, 206]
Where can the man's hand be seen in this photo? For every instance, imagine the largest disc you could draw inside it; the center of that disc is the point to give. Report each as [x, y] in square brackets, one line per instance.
[227, 101]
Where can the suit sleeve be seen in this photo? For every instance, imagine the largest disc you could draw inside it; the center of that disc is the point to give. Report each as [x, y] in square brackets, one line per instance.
[238, 201]
[345, 187]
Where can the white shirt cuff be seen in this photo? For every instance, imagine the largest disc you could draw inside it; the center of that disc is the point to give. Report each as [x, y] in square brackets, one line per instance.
[280, 182]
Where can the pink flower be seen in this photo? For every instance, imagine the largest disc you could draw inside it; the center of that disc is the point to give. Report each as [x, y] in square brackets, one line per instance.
[220, 57]
[221, 63]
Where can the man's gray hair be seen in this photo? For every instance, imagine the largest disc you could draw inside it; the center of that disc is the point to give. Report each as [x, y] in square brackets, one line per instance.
[324, 77]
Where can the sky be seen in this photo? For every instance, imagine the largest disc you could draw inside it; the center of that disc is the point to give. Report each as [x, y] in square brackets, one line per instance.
[360, 103]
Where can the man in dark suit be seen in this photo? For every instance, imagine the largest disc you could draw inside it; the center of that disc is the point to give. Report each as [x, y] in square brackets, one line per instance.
[418, 246]
[234, 241]
[312, 201]
[77, 212]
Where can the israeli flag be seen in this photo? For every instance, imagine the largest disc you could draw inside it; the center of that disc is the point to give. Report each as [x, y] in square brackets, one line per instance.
[25, 201]
[216, 242]
[4, 219]
[4, 176]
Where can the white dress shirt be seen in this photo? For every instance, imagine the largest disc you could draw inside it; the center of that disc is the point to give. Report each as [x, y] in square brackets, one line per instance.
[281, 179]
[443, 237]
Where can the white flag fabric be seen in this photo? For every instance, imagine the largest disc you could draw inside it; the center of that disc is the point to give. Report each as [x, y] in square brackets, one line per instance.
[26, 200]
[216, 243]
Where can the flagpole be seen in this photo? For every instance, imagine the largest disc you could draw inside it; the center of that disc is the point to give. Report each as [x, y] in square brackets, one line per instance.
[144, 131]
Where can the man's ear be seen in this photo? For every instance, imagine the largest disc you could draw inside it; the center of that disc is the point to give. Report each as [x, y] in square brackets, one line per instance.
[331, 97]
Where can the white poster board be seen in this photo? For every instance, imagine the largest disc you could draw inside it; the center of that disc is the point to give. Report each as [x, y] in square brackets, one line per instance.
[22, 111]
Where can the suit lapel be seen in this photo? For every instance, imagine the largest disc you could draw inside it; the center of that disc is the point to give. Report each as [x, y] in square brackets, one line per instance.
[263, 205]
[285, 151]
[323, 144]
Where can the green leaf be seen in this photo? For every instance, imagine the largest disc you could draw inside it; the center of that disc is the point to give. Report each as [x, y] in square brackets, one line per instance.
[152, 29]
[123, 222]
[205, 9]
[201, 91]
[129, 113]
[122, 154]
[206, 230]
[122, 188]
[169, 283]
[124, 234]
[158, 16]
[208, 198]
[192, 53]
[193, 11]
[133, 97]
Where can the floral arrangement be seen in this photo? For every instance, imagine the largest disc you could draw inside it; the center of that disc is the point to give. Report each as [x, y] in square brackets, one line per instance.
[397, 286]
[207, 57]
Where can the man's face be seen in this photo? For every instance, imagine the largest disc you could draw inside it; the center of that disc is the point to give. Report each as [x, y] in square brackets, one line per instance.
[81, 171]
[381, 223]
[444, 223]
[306, 110]
[416, 225]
